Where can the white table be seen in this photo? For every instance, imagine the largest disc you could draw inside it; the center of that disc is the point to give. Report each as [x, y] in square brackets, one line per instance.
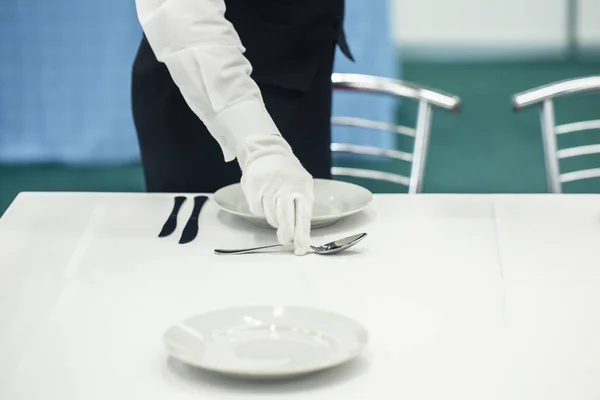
[464, 296]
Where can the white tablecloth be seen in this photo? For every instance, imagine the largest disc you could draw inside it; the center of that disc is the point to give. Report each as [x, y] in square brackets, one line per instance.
[464, 296]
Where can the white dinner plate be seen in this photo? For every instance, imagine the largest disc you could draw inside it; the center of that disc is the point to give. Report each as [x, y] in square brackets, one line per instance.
[266, 342]
[334, 200]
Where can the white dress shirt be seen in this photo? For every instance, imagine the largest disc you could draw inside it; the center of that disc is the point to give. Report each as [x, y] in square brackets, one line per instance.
[204, 56]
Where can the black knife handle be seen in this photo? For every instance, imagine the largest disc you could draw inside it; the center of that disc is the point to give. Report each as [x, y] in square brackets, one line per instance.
[198, 203]
[191, 227]
[171, 222]
[179, 200]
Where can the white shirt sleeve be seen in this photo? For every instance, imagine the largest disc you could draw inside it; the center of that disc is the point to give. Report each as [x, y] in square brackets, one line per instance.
[204, 56]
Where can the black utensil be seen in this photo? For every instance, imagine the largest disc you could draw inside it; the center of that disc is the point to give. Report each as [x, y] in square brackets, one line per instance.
[191, 228]
[171, 223]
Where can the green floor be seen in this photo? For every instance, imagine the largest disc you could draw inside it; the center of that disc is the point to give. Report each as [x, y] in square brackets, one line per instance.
[486, 148]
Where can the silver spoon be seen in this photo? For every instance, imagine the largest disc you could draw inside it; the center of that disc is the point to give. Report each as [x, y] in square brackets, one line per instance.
[327, 248]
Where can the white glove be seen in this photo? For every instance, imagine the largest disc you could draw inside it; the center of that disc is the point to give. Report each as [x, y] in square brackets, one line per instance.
[277, 187]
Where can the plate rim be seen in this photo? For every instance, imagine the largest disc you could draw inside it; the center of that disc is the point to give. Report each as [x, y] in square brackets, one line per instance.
[313, 219]
[351, 355]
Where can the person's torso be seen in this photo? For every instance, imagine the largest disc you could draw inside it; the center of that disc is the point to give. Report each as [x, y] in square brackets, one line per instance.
[289, 14]
[286, 41]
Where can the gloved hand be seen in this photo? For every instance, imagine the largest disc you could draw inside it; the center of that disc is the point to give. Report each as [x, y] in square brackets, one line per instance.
[277, 187]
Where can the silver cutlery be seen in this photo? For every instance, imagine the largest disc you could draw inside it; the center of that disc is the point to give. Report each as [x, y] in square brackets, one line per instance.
[325, 249]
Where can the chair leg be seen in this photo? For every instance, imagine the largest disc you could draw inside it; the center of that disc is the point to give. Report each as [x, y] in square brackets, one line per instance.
[550, 147]
[420, 150]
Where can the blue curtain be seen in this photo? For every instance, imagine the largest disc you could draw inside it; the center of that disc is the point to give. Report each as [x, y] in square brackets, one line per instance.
[64, 81]
[368, 29]
[65, 78]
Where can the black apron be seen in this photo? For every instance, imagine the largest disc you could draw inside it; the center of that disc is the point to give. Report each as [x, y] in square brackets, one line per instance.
[290, 44]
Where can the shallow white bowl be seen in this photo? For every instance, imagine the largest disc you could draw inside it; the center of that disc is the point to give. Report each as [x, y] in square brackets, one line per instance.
[334, 200]
[266, 342]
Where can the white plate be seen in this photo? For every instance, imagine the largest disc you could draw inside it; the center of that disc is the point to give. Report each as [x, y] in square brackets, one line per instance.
[265, 342]
[333, 200]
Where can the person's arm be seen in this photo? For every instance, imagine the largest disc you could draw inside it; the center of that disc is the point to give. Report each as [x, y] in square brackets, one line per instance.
[204, 56]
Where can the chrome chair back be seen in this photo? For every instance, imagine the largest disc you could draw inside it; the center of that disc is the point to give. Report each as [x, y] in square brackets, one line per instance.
[544, 97]
[428, 99]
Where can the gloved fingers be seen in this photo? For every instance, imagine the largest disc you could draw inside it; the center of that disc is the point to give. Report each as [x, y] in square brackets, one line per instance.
[285, 219]
[255, 203]
[302, 219]
[269, 205]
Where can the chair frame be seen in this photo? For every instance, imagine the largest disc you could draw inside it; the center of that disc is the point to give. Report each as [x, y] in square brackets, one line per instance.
[543, 97]
[427, 98]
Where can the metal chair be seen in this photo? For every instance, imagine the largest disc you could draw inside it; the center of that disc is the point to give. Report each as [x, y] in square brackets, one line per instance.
[427, 99]
[543, 96]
